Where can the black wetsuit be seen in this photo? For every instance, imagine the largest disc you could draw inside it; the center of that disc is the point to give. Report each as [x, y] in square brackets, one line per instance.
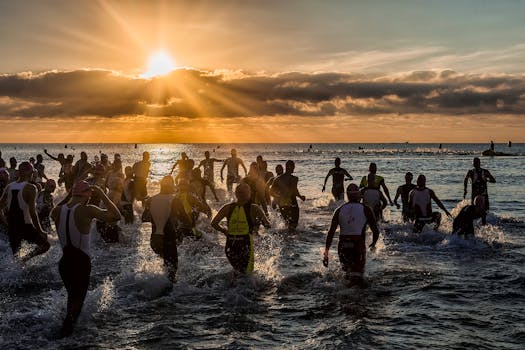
[464, 223]
[17, 229]
[239, 247]
[166, 247]
[407, 212]
[75, 270]
[338, 182]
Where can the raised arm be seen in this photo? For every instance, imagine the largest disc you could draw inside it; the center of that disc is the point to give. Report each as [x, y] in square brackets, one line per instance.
[50, 156]
[110, 214]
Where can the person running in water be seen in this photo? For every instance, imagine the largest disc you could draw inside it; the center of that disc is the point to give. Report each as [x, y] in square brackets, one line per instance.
[22, 217]
[241, 218]
[167, 214]
[126, 202]
[463, 224]
[12, 169]
[352, 218]
[379, 181]
[185, 167]
[338, 180]
[479, 178]
[279, 170]
[73, 221]
[207, 164]
[420, 201]
[199, 185]
[233, 164]
[374, 198]
[284, 189]
[140, 177]
[81, 168]
[404, 191]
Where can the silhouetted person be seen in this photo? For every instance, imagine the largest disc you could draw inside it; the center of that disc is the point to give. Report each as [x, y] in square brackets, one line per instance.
[284, 189]
[420, 199]
[233, 164]
[404, 191]
[338, 180]
[379, 181]
[479, 178]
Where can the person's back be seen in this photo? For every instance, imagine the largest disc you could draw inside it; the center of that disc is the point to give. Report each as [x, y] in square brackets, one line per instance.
[73, 221]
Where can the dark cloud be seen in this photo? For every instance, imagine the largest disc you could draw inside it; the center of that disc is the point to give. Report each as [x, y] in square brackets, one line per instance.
[194, 93]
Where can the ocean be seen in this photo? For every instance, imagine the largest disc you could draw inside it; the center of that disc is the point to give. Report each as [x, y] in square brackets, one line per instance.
[429, 290]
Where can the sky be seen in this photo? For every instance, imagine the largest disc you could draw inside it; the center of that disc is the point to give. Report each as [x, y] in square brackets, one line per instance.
[262, 71]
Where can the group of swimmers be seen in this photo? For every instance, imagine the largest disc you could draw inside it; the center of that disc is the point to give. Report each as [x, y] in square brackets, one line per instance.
[103, 191]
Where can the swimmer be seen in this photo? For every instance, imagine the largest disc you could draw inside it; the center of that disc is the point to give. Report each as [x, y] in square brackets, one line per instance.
[479, 178]
[379, 181]
[22, 217]
[73, 222]
[352, 218]
[241, 218]
[420, 201]
[404, 191]
[233, 164]
[464, 222]
[338, 178]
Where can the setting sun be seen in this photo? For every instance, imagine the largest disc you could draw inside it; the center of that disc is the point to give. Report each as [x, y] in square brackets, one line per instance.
[159, 63]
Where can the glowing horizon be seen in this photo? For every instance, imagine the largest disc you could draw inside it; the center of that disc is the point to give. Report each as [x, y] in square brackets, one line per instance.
[322, 75]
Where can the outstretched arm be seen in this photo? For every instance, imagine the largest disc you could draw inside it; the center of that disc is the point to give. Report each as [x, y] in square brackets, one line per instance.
[330, 236]
[50, 156]
[348, 176]
[245, 171]
[438, 202]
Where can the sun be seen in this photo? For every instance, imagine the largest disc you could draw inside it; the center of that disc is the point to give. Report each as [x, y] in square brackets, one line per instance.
[159, 63]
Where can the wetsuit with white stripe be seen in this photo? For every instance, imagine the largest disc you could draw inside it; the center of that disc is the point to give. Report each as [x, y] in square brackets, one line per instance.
[352, 248]
[163, 237]
[19, 222]
[75, 264]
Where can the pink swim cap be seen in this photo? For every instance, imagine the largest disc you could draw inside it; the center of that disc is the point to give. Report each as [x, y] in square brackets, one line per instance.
[25, 169]
[81, 189]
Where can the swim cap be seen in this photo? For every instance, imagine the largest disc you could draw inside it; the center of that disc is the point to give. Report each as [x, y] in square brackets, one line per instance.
[26, 169]
[50, 185]
[243, 192]
[353, 193]
[81, 189]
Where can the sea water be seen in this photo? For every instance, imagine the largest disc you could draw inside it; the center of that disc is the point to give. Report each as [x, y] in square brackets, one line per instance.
[428, 290]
